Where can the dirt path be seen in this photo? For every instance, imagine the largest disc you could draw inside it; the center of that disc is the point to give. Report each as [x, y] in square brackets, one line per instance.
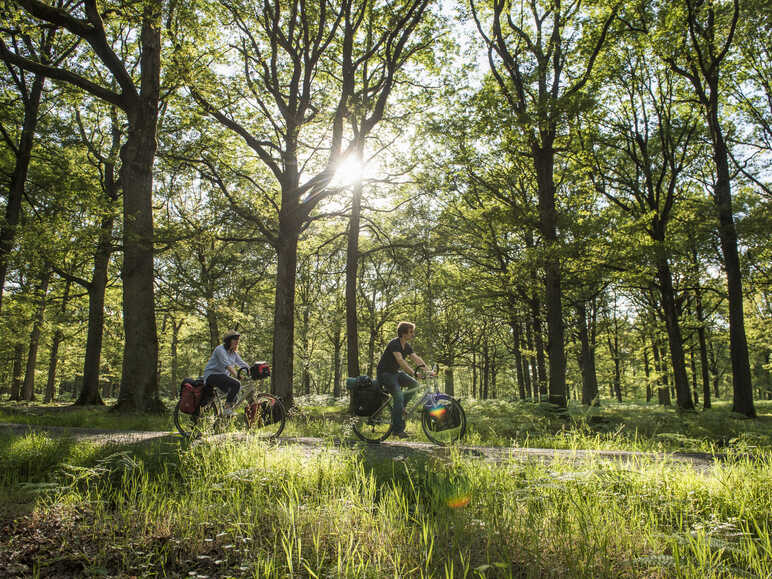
[393, 450]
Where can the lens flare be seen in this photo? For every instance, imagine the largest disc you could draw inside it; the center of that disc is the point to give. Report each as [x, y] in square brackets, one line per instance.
[459, 502]
[438, 412]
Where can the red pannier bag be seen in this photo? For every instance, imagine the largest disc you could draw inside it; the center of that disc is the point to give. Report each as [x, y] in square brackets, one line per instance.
[191, 393]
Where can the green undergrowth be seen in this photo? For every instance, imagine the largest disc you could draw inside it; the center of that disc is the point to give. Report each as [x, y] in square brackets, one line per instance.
[67, 415]
[612, 426]
[245, 508]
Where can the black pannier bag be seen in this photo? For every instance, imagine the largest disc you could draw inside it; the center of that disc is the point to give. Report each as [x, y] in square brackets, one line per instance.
[366, 395]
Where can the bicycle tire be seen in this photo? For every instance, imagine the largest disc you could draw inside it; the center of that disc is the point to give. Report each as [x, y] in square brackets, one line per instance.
[265, 416]
[446, 436]
[202, 423]
[376, 427]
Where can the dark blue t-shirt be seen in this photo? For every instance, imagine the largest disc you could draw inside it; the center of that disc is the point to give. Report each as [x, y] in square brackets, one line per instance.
[388, 363]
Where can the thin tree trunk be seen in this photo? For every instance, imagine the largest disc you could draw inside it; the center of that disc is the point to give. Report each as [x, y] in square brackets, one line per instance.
[55, 342]
[675, 340]
[647, 370]
[352, 261]
[28, 391]
[587, 360]
[516, 341]
[704, 368]
[337, 345]
[89, 394]
[16, 381]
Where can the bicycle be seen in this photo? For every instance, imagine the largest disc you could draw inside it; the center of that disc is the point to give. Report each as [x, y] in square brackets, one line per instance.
[263, 414]
[443, 420]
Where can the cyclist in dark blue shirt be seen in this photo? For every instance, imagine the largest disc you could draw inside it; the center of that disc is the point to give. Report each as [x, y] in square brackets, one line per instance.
[394, 373]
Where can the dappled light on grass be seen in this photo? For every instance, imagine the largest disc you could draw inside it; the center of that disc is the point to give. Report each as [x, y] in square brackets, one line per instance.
[244, 507]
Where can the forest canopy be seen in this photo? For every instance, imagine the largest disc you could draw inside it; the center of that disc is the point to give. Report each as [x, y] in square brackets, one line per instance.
[570, 200]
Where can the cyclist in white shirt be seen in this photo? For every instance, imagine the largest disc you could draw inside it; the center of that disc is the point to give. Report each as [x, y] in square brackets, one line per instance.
[223, 368]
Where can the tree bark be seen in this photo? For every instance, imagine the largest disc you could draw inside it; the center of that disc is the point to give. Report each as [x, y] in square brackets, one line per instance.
[89, 394]
[704, 368]
[352, 261]
[742, 389]
[139, 375]
[16, 379]
[28, 390]
[55, 342]
[675, 340]
[516, 342]
[284, 309]
[587, 360]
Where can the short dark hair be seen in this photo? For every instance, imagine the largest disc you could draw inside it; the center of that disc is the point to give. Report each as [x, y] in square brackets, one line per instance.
[404, 327]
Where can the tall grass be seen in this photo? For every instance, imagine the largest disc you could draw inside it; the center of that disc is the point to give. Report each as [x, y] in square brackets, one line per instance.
[248, 509]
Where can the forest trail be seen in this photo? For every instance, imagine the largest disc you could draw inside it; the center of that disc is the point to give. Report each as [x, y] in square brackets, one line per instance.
[390, 449]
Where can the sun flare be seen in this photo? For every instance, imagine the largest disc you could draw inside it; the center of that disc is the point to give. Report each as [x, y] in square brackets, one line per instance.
[351, 170]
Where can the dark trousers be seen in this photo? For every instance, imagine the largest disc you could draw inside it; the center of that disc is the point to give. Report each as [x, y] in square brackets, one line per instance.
[229, 385]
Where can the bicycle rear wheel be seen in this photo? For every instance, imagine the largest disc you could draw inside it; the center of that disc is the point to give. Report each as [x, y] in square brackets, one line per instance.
[445, 422]
[376, 427]
[202, 423]
[265, 416]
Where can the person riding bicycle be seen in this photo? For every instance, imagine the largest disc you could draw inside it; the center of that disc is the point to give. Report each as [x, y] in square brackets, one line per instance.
[226, 360]
[393, 373]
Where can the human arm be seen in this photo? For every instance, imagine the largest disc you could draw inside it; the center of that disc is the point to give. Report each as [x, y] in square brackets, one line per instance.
[419, 363]
[403, 363]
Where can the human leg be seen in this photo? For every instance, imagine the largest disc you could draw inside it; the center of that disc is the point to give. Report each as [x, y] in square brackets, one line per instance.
[230, 386]
[390, 383]
[409, 384]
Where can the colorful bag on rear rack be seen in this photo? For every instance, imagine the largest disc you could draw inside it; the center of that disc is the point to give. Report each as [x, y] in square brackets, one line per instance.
[443, 414]
[193, 393]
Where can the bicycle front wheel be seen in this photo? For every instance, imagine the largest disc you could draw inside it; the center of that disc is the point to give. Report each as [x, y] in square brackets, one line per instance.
[265, 416]
[376, 427]
[445, 422]
[202, 423]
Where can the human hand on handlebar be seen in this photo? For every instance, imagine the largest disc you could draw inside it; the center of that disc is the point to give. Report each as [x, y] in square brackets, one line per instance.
[424, 372]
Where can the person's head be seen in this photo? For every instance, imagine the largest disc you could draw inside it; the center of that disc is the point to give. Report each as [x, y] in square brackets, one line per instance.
[405, 329]
[231, 339]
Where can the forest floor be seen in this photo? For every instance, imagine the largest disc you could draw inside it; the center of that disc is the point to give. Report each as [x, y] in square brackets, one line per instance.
[390, 449]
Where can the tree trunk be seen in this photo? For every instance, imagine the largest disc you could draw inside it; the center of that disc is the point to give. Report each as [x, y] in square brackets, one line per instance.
[663, 391]
[28, 391]
[742, 389]
[139, 375]
[544, 164]
[683, 397]
[538, 345]
[89, 394]
[19, 178]
[516, 341]
[175, 356]
[352, 261]
[16, 380]
[587, 360]
[647, 370]
[336, 361]
[703, 348]
[284, 310]
[693, 368]
[55, 342]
